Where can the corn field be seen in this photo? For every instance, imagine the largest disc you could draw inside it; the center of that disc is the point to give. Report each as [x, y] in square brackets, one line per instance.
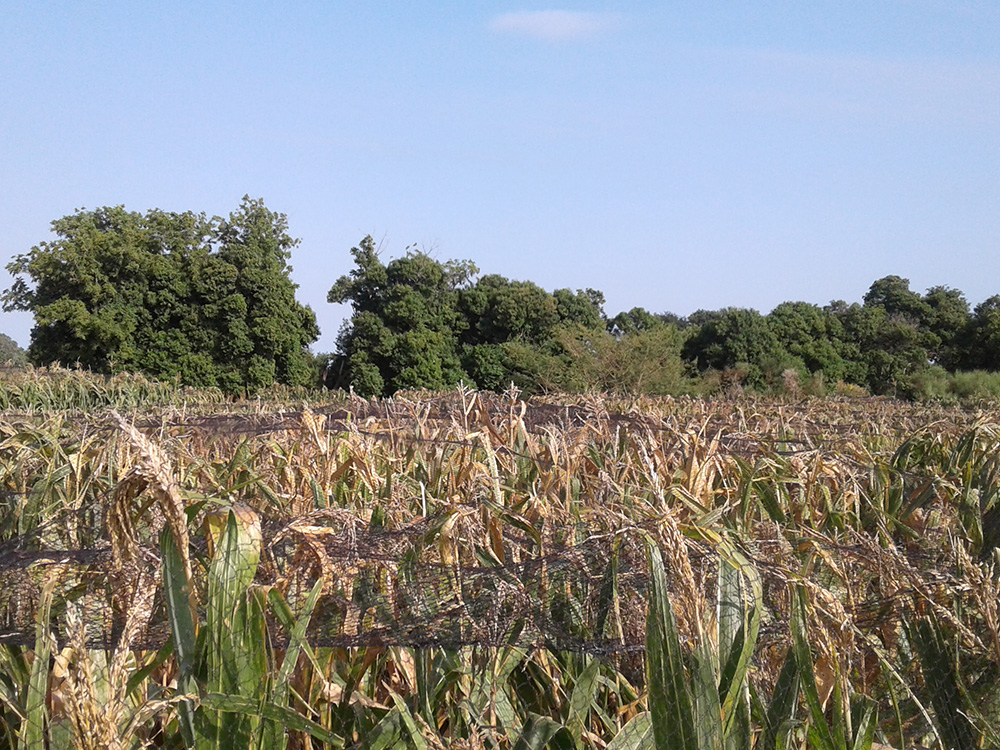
[467, 570]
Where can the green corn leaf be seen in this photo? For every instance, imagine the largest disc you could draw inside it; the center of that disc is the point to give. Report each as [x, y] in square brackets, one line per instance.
[140, 675]
[505, 712]
[582, 696]
[10, 698]
[731, 610]
[288, 620]
[240, 705]
[608, 594]
[296, 641]
[864, 732]
[539, 731]
[33, 728]
[273, 734]
[891, 667]
[182, 629]
[408, 721]
[781, 711]
[637, 734]
[704, 675]
[422, 663]
[671, 703]
[819, 728]
[386, 733]
[319, 499]
[769, 499]
[737, 639]
[507, 661]
[235, 644]
[952, 707]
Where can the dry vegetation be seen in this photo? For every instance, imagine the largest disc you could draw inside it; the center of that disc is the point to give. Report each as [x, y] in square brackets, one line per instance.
[474, 571]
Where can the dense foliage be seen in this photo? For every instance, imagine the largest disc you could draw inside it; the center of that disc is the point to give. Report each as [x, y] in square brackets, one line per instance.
[417, 322]
[177, 295]
[10, 352]
[209, 302]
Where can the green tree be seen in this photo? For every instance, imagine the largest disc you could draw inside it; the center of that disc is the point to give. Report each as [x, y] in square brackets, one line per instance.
[584, 308]
[404, 329]
[420, 323]
[737, 336]
[893, 294]
[948, 319]
[884, 352]
[208, 301]
[498, 309]
[899, 334]
[11, 352]
[638, 319]
[980, 349]
[813, 335]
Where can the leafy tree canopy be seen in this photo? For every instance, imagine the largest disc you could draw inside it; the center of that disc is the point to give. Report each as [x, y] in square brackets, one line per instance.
[11, 352]
[982, 337]
[638, 320]
[736, 336]
[893, 294]
[417, 322]
[814, 335]
[208, 301]
[405, 322]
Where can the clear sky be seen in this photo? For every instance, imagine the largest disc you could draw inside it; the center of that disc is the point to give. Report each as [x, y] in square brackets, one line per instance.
[675, 155]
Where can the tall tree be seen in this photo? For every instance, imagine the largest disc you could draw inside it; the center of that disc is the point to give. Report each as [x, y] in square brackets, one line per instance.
[981, 340]
[893, 294]
[736, 336]
[948, 318]
[209, 301]
[403, 332]
[885, 352]
[420, 323]
[812, 334]
[11, 352]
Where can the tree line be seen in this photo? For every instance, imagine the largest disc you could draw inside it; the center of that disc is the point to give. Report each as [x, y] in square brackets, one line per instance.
[417, 322]
[210, 302]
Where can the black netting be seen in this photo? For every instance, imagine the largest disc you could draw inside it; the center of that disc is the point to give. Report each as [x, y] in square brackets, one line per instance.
[469, 617]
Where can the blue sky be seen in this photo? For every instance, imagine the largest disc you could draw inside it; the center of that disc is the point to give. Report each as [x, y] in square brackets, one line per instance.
[677, 155]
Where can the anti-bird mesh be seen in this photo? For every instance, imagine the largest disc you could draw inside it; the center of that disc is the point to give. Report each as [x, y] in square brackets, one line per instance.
[441, 582]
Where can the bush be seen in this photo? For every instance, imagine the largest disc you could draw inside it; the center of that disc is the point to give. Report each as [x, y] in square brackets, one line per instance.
[930, 384]
[851, 390]
[815, 385]
[976, 385]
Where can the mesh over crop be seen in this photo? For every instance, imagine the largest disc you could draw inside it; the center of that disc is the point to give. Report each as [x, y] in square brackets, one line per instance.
[474, 524]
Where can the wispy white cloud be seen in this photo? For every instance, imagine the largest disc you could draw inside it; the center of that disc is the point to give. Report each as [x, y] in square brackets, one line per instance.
[555, 25]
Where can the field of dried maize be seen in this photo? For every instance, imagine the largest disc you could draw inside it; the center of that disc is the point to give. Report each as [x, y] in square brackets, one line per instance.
[468, 570]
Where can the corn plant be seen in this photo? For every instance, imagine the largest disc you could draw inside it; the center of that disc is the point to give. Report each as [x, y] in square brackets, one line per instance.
[233, 698]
